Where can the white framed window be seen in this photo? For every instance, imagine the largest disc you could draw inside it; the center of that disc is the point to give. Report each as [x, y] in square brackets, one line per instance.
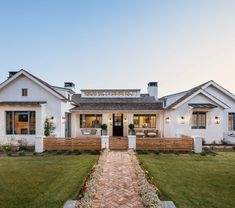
[231, 121]
[199, 120]
[20, 122]
[145, 121]
[24, 92]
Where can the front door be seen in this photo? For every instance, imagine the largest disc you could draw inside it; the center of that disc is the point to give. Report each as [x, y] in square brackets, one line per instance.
[118, 124]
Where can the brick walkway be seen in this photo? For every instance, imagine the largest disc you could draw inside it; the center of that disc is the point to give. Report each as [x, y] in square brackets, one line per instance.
[118, 183]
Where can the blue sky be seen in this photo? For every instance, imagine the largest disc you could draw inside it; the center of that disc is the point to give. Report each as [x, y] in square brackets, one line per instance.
[120, 43]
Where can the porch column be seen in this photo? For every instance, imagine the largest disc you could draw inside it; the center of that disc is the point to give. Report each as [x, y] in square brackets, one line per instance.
[73, 124]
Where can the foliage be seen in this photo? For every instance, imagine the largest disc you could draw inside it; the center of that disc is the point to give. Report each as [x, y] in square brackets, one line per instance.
[48, 127]
[131, 126]
[203, 141]
[224, 142]
[104, 126]
[7, 147]
[23, 145]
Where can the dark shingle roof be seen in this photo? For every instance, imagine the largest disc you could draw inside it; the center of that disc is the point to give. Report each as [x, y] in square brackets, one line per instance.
[144, 102]
[22, 102]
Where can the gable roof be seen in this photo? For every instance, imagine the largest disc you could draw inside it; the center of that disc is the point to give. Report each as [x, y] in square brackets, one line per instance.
[195, 91]
[39, 81]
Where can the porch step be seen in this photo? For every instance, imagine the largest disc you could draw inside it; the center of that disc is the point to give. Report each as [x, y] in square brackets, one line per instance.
[118, 143]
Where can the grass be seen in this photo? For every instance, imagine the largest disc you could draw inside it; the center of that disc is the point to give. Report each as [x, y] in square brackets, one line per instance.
[194, 181]
[46, 181]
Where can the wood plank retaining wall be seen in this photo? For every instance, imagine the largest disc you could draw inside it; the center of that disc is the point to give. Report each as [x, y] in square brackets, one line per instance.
[165, 144]
[53, 143]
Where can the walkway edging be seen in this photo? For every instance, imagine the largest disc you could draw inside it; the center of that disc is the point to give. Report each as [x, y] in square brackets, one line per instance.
[92, 184]
[148, 192]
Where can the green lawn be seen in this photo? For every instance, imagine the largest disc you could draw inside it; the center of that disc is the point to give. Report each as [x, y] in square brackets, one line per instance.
[192, 181]
[46, 181]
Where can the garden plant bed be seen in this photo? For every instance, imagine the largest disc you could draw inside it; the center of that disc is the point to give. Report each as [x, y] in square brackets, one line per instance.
[194, 181]
[46, 181]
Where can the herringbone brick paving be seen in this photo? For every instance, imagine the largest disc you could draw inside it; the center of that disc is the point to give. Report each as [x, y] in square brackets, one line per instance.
[118, 183]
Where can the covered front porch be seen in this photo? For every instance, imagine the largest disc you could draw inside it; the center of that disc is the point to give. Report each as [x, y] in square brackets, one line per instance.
[88, 123]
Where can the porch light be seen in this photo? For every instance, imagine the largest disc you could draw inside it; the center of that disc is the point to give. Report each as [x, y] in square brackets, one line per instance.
[125, 119]
[217, 120]
[182, 120]
[167, 119]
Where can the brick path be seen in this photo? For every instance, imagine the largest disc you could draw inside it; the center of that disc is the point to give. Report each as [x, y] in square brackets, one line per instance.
[118, 183]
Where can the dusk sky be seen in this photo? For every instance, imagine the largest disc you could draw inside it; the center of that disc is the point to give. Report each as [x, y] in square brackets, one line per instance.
[120, 43]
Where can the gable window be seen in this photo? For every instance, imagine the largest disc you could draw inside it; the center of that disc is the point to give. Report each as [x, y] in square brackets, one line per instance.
[20, 122]
[145, 121]
[199, 120]
[90, 121]
[231, 121]
[24, 92]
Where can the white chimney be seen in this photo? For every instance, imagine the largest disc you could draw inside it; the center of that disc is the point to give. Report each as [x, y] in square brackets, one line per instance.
[153, 89]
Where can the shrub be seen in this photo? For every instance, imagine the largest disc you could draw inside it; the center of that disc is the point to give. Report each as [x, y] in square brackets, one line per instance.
[21, 153]
[203, 153]
[214, 142]
[104, 126]
[7, 147]
[48, 127]
[23, 145]
[77, 152]
[233, 147]
[223, 142]
[157, 152]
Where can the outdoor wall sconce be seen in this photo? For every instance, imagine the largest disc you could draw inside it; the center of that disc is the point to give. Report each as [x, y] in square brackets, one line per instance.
[125, 119]
[182, 120]
[217, 120]
[167, 119]
[110, 119]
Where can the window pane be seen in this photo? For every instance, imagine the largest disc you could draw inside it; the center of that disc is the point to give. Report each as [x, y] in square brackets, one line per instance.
[199, 120]
[194, 121]
[9, 123]
[90, 121]
[145, 121]
[32, 123]
[21, 123]
[231, 122]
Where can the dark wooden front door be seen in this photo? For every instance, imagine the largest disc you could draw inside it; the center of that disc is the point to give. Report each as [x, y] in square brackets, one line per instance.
[118, 124]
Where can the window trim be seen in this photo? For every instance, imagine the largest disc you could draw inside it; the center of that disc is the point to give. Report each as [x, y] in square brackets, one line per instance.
[13, 122]
[233, 127]
[24, 92]
[94, 115]
[197, 113]
[149, 115]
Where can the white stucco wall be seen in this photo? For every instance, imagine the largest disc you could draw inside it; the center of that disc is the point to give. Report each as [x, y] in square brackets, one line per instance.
[225, 99]
[213, 131]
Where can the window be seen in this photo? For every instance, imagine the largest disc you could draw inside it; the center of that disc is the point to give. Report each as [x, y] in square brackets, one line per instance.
[199, 120]
[20, 122]
[69, 97]
[24, 92]
[145, 121]
[231, 121]
[90, 121]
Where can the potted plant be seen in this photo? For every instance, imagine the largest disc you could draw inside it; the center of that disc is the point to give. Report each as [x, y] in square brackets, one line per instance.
[131, 129]
[104, 129]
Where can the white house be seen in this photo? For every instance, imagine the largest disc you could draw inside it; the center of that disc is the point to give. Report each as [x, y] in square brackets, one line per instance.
[26, 101]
